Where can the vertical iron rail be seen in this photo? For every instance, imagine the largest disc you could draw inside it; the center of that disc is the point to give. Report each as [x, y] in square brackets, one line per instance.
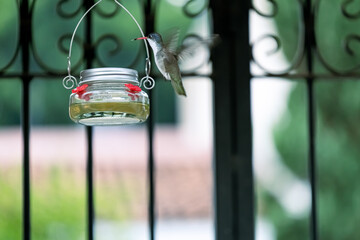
[26, 160]
[89, 57]
[25, 40]
[310, 43]
[234, 196]
[151, 173]
[149, 27]
[90, 184]
[244, 224]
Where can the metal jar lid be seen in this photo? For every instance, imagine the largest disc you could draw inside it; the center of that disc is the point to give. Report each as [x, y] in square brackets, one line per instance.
[120, 75]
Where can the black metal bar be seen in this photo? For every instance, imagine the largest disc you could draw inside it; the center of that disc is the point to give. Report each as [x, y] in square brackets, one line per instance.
[149, 26]
[26, 159]
[25, 40]
[151, 173]
[56, 77]
[286, 77]
[310, 43]
[89, 56]
[243, 162]
[312, 157]
[319, 77]
[234, 200]
[90, 184]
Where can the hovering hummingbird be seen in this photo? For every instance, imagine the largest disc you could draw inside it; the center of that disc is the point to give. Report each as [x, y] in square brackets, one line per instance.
[167, 60]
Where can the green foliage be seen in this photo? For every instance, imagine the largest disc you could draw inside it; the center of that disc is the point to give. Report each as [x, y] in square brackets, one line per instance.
[338, 153]
[58, 204]
[10, 98]
[293, 141]
[10, 206]
[337, 117]
[57, 207]
[286, 226]
[337, 136]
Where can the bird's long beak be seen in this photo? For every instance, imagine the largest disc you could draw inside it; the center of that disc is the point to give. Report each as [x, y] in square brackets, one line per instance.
[139, 38]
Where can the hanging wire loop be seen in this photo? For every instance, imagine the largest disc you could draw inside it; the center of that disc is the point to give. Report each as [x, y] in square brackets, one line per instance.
[148, 81]
[70, 81]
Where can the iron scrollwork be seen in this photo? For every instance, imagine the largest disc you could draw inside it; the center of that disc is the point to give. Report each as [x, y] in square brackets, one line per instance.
[70, 11]
[271, 14]
[104, 14]
[345, 10]
[63, 45]
[16, 51]
[62, 13]
[115, 49]
[191, 10]
[297, 58]
[346, 47]
[43, 67]
[196, 9]
[347, 40]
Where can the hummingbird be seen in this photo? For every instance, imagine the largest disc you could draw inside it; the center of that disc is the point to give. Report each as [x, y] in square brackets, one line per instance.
[167, 60]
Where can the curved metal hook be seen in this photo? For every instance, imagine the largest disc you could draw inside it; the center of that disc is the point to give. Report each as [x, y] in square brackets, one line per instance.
[72, 79]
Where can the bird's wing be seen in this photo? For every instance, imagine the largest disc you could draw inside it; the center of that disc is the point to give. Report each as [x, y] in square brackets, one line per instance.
[192, 43]
[172, 41]
[172, 67]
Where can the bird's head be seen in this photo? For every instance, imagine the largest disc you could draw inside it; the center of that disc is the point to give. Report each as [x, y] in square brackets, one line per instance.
[154, 39]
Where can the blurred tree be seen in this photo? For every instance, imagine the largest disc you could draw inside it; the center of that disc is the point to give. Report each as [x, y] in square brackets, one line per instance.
[337, 116]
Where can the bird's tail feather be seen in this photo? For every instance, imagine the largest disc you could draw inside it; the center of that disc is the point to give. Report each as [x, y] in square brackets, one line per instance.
[179, 87]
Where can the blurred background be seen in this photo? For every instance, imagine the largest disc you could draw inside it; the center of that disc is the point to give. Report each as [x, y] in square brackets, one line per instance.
[183, 133]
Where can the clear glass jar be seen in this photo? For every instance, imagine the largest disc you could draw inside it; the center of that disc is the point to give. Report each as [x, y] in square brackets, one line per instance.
[109, 96]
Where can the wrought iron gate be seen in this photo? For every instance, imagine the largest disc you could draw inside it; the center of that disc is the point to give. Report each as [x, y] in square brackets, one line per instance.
[231, 75]
[234, 212]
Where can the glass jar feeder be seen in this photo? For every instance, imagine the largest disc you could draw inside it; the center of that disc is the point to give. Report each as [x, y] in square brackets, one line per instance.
[109, 96]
